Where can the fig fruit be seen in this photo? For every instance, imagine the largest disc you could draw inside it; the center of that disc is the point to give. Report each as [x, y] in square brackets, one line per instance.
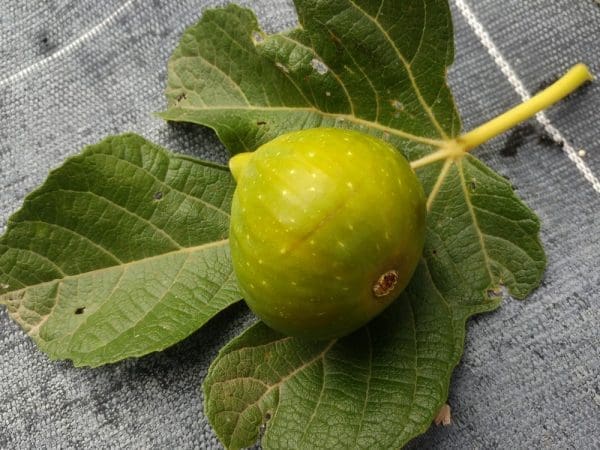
[327, 227]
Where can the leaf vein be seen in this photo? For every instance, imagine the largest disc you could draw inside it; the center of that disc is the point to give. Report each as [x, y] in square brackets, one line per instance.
[130, 263]
[166, 184]
[408, 69]
[128, 212]
[87, 239]
[347, 117]
[486, 259]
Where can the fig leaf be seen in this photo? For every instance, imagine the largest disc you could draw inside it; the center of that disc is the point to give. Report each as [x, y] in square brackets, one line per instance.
[380, 68]
[121, 252]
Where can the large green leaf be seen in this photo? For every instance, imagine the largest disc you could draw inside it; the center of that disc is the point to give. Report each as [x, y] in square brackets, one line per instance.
[376, 388]
[121, 252]
[378, 67]
[374, 66]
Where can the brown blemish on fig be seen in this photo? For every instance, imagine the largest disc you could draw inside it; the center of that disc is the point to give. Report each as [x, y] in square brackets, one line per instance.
[386, 283]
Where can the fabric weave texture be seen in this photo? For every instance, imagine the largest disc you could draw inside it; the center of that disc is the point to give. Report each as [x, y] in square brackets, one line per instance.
[73, 72]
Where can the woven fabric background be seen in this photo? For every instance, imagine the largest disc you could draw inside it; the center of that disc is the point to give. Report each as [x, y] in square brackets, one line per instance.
[72, 72]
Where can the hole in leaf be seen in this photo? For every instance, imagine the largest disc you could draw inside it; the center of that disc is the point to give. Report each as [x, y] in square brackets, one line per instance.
[397, 105]
[319, 66]
[158, 196]
[516, 139]
[80, 310]
[472, 185]
[548, 141]
[181, 96]
[497, 292]
[257, 37]
[267, 416]
[492, 293]
[261, 122]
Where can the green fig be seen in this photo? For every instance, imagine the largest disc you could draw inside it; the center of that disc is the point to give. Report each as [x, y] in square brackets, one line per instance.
[327, 228]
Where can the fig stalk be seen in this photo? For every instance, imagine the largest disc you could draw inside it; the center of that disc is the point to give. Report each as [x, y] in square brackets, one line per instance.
[455, 148]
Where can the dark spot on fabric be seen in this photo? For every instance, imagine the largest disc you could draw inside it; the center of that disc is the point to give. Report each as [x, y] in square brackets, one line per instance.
[517, 137]
[45, 44]
[548, 141]
[158, 196]
[544, 84]
[80, 310]
[539, 354]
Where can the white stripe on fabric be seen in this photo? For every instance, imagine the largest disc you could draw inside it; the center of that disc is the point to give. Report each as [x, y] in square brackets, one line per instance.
[516, 83]
[68, 48]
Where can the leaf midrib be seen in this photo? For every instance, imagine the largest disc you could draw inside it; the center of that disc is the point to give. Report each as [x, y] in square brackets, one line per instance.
[278, 383]
[408, 69]
[185, 250]
[478, 231]
[165, 184]
[341, 117]
[333, 73]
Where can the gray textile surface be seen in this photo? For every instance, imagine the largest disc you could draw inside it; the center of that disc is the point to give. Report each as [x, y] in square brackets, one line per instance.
[72, 72]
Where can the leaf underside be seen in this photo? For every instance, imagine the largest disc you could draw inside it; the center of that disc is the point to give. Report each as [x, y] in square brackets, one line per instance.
[377, 67]
[121, 252]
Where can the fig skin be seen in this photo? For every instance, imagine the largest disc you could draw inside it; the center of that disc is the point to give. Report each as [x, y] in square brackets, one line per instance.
[327, 228]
